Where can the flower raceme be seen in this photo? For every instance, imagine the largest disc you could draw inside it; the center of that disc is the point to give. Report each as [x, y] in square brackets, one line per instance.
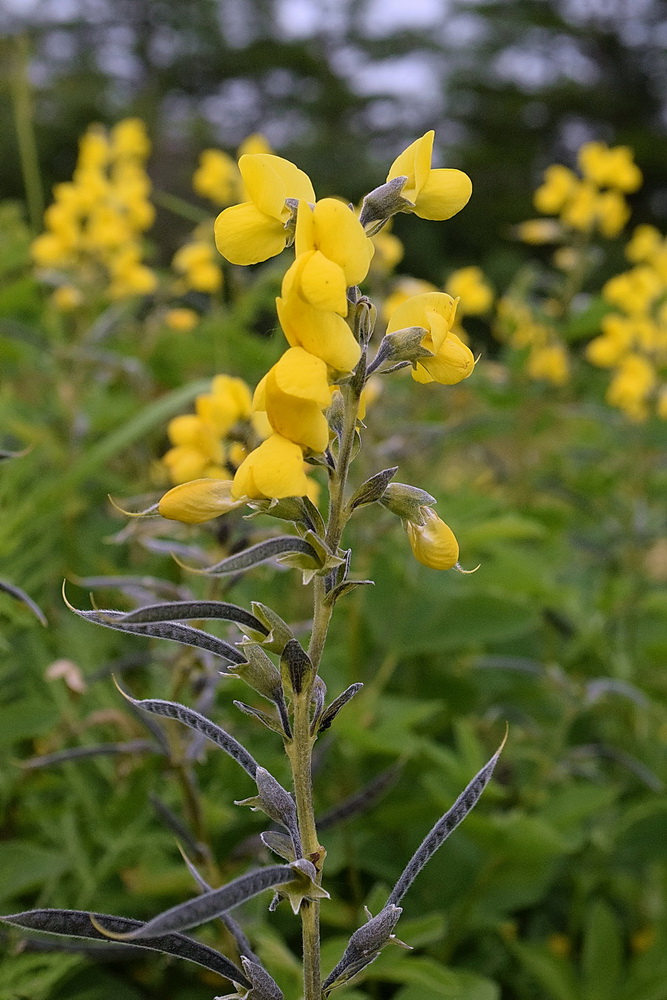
[435, 312]
[260, 227]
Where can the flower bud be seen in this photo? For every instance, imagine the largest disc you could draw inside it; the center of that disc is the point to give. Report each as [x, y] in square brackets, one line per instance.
[407, 502]
[433, 543]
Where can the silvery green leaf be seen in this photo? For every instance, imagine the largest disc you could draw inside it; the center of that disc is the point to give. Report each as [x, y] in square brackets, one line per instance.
[279, 844]
[79, 753]
[318, 696]
[77, 923]
[373, 488]
[207, 906]
[361, 801]
[20, 595]
[192, 719]
[266, 720]
[292, 509]
[264, 987]
[277, 803]
[184, 634]
[442, 829]
[279, 631]
[235, 929]
[295, 667]
[304, 885]
[191, 610]
[364, 947]
[334, 708]
[272, 548]
[346, 587]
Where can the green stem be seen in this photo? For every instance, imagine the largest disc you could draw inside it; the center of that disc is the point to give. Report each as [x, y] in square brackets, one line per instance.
[300, 748]
[25, 134]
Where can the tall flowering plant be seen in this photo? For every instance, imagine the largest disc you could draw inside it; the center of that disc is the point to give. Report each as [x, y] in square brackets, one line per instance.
[307, 410]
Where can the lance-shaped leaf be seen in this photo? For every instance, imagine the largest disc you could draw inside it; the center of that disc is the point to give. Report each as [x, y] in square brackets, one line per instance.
[279, 844]
[361, 801]
[207, 906]
[191, 610]
[295, 667]
[334, 708]
[235, 929]
[184, 634]
[279, 631]
[442, 829]
[277, 803]
[78, 924]
[99, 750]
[364, 947]
[264, 986]
[260, 673]
[192, 719]
[20, 595]
[272, 548]
[345, 588]
[373, 488]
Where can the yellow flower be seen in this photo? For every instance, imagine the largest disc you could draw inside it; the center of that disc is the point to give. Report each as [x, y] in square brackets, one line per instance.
[321, 332]
[256, 229]
[538, 231]
[66, 298]
[558, 186]
[129, 140]
[198, 501]
[435, 312]
[549, 363]
[433, 543]
[228, 403]
[431, 194]
[580, 211]
[403, 288]
[388, 250]
[337, 249]
[613, 213]
[468, 285]
[644, 243]
[181, 319]
[272, 471]
[196, 261]
[633, 382]
[216, 177]
[612, 168]
[293, 394]
[253, 144]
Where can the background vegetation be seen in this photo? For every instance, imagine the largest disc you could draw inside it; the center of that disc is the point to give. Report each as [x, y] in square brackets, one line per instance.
[555, 885]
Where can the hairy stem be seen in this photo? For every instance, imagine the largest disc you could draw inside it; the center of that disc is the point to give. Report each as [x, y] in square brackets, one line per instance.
[301, 746]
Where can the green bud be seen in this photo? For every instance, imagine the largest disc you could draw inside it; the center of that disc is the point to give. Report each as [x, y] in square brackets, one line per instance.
[381, 203]
[406, 502]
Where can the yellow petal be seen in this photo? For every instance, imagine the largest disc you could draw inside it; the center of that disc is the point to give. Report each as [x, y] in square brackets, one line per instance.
[415, 164]
[299, 421]
[341, 237]
[274, 470]
[414, 311]
[198, 501]
[444, 193]
[433, 543]
[270, 179]
[259, 398]
[244, 235]
[303, 375]
[323, 283]
[453, 362]
[319, 331]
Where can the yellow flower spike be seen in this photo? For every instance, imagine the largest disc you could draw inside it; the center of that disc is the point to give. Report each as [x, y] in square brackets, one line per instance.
[644, 243]
[559, 184]
[613, 213]
[434, 194]
[433, 543]
[331, 227]
[228, 403]
[255, 230]
[198, 501]
[129, 140]
[272, 471]
[321, 332]
[293, 393]
[436, 313]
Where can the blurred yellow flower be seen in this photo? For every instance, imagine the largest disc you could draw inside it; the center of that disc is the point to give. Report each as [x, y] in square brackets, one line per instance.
[469, 285]
[182, 320]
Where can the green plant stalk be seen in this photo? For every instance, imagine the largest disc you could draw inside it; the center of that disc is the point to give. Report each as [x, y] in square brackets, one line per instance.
[301, 746]
[25, 134]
